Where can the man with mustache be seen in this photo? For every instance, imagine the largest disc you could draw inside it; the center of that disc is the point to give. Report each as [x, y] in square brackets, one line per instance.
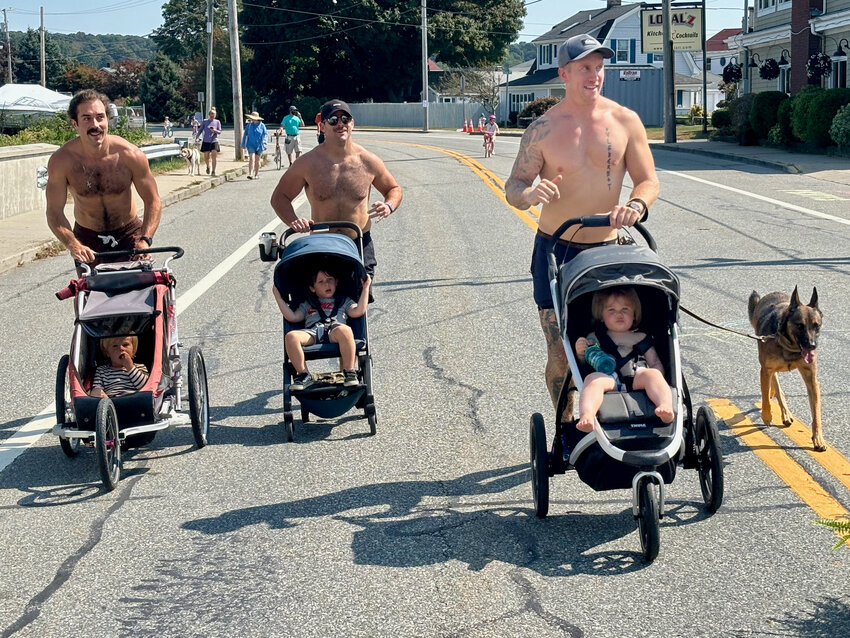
[98, 169]
[581, 149]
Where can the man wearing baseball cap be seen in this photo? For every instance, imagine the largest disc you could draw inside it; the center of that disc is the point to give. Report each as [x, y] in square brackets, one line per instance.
[338, 176]
[291, 125]
[581, 149]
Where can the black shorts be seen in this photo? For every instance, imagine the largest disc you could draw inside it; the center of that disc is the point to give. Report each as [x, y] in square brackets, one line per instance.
[206, 147]
[123, 238]
[564, 251]
[369, 260]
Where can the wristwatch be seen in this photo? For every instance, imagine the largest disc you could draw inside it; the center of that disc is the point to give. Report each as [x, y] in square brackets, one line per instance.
[147, 239]
[640, 206]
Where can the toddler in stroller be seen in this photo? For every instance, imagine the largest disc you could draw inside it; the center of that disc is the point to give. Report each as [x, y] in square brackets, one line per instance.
[122, 375]
[324, 315]
[631, 358]
[316, 280]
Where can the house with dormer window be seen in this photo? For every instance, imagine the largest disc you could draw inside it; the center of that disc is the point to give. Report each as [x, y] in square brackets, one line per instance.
[789, 32]
[617, 26]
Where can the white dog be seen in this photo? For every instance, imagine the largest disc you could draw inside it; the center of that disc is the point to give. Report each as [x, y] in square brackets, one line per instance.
[193, 159]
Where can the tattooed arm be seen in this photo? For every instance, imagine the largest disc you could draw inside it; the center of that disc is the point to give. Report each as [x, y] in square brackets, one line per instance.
[519, 189]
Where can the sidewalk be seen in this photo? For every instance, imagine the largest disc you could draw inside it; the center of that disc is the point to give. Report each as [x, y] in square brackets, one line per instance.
[23, 236]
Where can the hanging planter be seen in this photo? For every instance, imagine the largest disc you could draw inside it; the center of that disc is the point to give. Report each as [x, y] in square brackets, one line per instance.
[732, 72]
[769, 69]
[819, 65]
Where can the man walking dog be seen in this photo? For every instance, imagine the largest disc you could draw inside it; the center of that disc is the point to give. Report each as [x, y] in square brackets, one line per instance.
[292, 124]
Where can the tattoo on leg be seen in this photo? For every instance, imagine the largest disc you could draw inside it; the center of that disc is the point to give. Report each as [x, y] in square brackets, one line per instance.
[608, 165]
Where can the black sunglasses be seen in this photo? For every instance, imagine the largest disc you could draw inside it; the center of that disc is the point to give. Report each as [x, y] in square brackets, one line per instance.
[333, 119]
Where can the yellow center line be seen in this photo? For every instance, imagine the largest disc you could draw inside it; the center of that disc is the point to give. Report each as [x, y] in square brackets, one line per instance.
[778, 460]
[831, 459]
[493, 182]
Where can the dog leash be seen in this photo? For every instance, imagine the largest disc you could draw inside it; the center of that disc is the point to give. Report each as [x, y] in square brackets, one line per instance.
[761, 338]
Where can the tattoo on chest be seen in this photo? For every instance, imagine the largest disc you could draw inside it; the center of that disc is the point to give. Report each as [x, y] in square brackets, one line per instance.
[608, 163]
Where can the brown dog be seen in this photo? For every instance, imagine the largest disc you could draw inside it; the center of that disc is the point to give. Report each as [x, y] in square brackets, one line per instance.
[794, 330]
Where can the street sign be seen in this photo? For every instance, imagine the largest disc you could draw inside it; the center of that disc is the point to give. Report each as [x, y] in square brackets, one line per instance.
[685, 29]
[201, 97]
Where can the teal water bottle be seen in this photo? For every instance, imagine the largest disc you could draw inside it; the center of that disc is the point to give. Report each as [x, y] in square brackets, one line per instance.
[600, 360]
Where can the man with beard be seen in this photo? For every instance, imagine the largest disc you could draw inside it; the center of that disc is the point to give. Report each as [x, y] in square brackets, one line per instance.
[99, 169]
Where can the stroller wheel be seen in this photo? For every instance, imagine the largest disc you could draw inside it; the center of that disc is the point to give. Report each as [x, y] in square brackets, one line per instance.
[539, 465]
[199, 400]
[71, 447]
[372, 417]
[107, 444]
[289, 426]
[648, 521]
[709, 459]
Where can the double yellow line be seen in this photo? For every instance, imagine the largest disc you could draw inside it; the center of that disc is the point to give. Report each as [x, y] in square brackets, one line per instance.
[769, 451]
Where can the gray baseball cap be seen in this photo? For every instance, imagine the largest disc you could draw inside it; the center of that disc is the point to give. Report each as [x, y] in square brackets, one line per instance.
[580, 46]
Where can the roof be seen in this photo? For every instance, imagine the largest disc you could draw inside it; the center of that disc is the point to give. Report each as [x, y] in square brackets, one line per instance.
[596, 22]
[550, 76]
[433, 66]
[32, 97]
[717, 41]
[544, 76]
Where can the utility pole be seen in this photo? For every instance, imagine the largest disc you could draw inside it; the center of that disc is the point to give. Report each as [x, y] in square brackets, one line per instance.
[236, 74]
[745, 65]
[209, 95]
[704, 75]
[8, 49]
[424, 68]
[669, 85]
[41, 46]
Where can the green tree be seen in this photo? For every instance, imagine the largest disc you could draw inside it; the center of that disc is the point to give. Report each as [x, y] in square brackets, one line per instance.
[369, 49]
[124, 79]
[520, 52]
[27, 60]
[82, 76]
[159, 89]
[183, 35]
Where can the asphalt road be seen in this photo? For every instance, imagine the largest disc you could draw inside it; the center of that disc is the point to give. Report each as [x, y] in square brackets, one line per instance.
[427, 528]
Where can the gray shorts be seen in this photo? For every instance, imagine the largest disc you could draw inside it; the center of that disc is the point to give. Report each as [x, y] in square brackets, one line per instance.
[321, 332]
[292, 144]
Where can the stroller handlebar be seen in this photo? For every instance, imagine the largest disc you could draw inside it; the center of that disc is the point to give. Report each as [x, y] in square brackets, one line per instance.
[178, 253]
[598, 221]
[323, 226]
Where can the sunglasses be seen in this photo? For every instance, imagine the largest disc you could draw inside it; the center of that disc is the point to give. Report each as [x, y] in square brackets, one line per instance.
[334, 119]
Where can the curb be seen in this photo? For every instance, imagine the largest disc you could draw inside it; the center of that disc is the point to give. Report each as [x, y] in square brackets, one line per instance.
[10, 262]
[785, 168]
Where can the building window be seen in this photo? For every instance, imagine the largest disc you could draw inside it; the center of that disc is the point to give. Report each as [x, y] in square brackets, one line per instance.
[766, 6]
[679, 99]
[545, 55]
[838, 78]
[623, 50]
[520, 100]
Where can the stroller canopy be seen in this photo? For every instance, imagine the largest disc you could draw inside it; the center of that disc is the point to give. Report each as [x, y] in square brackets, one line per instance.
[608, 266]
[331, 252]
[110, 314]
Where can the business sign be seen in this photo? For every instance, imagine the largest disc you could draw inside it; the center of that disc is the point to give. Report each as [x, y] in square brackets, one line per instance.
[686, 30]
[630, 75]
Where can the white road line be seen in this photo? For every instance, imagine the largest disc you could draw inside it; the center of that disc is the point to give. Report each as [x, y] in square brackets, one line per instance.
[33, 430]
[769, 200]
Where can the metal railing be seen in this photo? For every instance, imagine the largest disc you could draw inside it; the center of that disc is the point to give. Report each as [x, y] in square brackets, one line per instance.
[155, 151]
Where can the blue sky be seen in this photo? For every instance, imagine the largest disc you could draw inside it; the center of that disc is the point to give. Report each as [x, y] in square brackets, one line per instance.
[140, 17]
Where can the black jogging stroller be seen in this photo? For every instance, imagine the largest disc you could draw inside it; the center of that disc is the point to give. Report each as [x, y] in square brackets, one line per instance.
[122, 299]
[336, 253]
[629, 447]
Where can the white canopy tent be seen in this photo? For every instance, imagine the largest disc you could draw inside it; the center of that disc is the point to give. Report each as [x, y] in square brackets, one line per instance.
[22, 104]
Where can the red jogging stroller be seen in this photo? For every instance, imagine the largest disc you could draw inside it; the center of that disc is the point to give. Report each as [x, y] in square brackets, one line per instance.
[121, 299]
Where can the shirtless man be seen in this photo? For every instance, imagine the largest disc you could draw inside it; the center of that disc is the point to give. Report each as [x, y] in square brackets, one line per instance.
[99, 169]
[581, 149]
[337, 177]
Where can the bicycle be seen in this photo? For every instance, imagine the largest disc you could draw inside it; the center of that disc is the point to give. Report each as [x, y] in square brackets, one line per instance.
[167, 129]
[489, 144]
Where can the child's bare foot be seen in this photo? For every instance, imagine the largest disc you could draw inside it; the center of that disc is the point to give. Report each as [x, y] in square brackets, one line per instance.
[664, 413]
[585, 424]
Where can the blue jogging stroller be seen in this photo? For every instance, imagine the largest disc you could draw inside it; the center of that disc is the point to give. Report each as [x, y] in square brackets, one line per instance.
[336, 253]
[629, 447]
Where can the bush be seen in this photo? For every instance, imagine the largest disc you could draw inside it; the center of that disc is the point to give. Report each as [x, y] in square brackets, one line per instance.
[840, 129]
[823, 109]
[57, 130]
[537, 107]
[722, 104]
[783, 121]
[763, 114]
[721, 118]
[739, 109]
[800, 110]
[696, 111]
[775, 136]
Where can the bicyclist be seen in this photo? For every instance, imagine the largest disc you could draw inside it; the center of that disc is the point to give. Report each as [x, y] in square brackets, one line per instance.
[166, 127]
[491, 130]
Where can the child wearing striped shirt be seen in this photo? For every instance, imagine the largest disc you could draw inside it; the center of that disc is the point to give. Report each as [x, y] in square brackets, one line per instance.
[121, 376]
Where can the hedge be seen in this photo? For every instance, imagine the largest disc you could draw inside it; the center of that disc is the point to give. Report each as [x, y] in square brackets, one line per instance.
[763, 113]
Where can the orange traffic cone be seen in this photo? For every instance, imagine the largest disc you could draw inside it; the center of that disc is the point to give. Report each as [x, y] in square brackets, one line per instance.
[471, 127]
[480, 128]
[464, 125]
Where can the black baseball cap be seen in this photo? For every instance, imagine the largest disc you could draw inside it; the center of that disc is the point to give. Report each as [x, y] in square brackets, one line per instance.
[329, 108]
[580, 46]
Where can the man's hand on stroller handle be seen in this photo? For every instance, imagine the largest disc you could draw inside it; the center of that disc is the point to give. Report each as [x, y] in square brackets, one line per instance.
[300, 225]
[81, 253]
